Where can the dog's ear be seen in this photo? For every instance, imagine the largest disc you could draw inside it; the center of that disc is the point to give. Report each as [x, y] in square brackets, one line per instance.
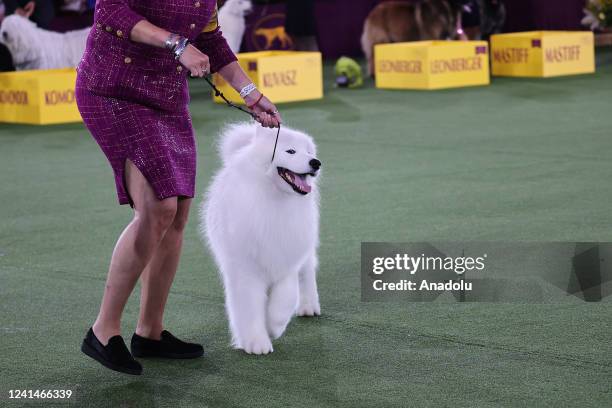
[27, 10]
[261, 131]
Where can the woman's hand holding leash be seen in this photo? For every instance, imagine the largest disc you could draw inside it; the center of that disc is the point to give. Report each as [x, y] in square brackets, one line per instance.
[259, 107]
[264, 110]
[198, 64]
[265, 113]
[195, 61]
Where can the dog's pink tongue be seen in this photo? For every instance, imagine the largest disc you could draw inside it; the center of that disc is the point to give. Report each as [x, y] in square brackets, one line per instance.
[301, 182]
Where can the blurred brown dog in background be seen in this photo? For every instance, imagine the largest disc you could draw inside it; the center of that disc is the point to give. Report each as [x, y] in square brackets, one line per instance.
[400, 21]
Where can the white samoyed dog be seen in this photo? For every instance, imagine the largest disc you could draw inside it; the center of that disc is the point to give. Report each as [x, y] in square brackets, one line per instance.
[261, 221]
[231, 21]
[34, 48]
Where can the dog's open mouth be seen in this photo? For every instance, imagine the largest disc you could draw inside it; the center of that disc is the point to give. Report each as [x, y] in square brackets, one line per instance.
[298, 182]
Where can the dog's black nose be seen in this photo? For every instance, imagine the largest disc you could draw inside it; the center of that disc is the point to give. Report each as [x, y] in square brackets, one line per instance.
[315, 164]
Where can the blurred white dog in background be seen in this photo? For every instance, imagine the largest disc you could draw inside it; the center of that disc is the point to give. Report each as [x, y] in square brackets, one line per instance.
[261, 221]
[232, 23]
[35, 48]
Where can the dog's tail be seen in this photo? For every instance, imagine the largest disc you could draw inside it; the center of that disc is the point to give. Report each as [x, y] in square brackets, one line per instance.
[233, 138]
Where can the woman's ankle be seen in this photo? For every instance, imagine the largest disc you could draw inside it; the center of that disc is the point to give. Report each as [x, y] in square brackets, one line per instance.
[149, 332]
[104, 332]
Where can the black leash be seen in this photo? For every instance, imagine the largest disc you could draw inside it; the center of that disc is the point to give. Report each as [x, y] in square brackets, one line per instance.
[231, 104]
[227, 101]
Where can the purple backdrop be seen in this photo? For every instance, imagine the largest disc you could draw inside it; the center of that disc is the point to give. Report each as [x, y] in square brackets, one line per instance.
[340, 22]
[524, 15]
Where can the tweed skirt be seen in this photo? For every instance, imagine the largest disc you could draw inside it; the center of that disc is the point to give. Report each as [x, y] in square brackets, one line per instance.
[160, 143]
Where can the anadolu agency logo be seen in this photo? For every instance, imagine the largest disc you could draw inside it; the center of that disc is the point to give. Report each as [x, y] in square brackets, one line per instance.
[410, 265]
[269, 33]
[420, 271]
[506, 272]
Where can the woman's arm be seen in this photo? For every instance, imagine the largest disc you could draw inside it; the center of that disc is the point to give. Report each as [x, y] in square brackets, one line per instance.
[119, 19]
[116, 17]
[199, 65]
[147, 33]
[222, 60]
[265, 110]
[196, 62]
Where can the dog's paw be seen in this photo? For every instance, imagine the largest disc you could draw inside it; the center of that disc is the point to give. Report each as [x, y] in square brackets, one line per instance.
[309, 308]
[257, 345]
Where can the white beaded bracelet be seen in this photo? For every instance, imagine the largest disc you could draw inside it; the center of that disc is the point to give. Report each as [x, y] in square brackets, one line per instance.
[247, 90]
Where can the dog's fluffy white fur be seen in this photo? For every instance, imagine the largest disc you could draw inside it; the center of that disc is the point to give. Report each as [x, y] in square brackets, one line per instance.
[231, 21]
[264, 232]
[34, 48]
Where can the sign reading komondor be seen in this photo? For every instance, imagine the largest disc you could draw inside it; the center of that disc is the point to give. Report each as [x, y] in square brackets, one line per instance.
[38, 97]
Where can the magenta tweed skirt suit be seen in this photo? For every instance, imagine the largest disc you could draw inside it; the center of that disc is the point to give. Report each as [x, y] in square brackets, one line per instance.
[133, 97]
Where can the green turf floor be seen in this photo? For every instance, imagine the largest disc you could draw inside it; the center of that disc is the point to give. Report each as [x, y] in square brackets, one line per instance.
[518, 160]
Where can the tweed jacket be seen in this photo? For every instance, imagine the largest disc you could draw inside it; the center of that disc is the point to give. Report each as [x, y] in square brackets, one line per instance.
[116, 67]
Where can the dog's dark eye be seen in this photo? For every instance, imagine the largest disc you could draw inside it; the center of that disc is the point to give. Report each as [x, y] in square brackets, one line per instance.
[290, 151]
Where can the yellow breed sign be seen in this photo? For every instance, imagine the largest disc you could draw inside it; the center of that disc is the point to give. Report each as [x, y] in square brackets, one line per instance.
[283, 76]
[543, 53]
[38, 97]
[431, 64]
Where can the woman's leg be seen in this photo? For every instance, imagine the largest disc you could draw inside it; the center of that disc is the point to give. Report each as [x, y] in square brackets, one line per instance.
[133, 251]
[157, 277]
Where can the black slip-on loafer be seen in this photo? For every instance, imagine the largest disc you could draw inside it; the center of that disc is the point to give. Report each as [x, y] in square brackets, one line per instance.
[167, 347]
[115, 355]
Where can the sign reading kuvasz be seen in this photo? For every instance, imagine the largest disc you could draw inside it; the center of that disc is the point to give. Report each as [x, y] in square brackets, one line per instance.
[516, 272]
[543, 53]
[283, 76]
[38, 97]
[431, 64]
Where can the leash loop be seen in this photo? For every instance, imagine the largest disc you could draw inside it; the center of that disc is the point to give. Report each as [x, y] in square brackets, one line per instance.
[230, 104]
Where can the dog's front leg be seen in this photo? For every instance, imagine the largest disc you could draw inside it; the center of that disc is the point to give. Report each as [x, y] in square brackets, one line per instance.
[309, 296]
[245, 301]
[282, 304]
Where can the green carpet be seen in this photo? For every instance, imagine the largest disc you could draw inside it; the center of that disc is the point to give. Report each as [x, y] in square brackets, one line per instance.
[522, 159]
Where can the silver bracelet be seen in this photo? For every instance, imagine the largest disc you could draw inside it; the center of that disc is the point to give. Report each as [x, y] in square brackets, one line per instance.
[172, 41]
[180, 48]
[244, 92]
